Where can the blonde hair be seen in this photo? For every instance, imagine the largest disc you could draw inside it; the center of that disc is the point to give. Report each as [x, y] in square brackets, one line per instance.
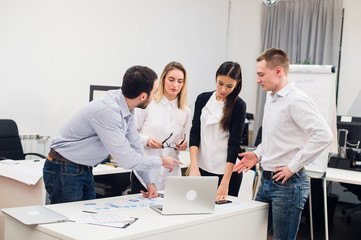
[182, 95]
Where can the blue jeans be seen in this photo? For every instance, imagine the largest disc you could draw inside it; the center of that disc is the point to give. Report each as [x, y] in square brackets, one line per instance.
[68, 182]
[286, 204]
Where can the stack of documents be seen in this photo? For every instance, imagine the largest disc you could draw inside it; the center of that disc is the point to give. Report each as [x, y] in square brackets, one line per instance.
[109, 219]
[25, 171]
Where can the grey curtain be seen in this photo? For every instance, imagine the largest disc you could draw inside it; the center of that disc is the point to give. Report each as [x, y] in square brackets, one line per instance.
[308, 30]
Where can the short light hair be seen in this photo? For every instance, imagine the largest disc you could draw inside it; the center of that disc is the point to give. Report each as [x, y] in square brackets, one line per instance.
[182, 95]
[275, 57]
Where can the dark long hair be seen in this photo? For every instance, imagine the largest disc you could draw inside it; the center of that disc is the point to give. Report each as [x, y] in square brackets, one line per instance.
[232, 70]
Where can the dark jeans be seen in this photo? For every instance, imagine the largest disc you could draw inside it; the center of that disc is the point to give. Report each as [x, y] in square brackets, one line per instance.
[286, 204]
[234, 183]
[68, 182]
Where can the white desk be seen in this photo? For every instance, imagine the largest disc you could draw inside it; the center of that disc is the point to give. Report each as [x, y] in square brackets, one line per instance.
[341, 175]
[345, 176]
[334, 175]
[247, 220]
[14, 193]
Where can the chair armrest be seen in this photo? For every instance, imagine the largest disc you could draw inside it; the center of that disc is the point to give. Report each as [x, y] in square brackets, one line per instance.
[36, 154]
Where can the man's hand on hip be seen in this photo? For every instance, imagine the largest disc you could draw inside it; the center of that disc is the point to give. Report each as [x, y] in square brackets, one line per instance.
[282, 173]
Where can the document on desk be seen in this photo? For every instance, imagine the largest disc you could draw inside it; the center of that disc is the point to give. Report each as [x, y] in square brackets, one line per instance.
[136, 202]
[25, 171]
[108, 219]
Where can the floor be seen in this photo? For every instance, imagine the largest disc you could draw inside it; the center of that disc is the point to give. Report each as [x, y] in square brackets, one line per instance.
[339, 228]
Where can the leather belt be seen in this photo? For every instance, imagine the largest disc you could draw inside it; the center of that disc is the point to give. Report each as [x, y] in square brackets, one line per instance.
[54, 155]
[269, 174]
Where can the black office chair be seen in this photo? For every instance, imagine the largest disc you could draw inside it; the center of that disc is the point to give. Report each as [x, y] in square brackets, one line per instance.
[259, 137]
[10, 143]
[348, 210]
[245, 134]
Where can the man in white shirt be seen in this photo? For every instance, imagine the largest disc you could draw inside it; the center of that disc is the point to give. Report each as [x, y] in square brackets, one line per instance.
[294, 133]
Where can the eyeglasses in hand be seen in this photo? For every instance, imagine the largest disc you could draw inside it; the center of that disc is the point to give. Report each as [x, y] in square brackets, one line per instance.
[172, 144]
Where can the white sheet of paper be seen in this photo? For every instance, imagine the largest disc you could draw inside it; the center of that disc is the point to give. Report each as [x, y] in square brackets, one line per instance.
[136, 202]
[28, 171]
[110, 219]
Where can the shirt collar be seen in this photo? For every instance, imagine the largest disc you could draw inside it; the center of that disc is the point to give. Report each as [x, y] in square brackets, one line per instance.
[123, 104]
[165, 101]
[283, 92]
[215, 108]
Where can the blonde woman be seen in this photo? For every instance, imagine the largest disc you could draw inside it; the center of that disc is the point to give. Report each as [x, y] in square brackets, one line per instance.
[164, 124]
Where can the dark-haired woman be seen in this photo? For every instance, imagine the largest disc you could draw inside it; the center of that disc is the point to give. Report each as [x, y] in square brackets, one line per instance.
[216, 131]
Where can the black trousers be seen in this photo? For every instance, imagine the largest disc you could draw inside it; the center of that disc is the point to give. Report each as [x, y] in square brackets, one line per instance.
[234, 183]
[136, 185]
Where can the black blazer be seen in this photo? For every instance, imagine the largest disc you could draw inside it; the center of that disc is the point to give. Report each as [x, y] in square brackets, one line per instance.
[235, 130]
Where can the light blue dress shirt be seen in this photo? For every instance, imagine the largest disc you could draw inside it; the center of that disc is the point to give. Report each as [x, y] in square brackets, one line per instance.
[102, 127]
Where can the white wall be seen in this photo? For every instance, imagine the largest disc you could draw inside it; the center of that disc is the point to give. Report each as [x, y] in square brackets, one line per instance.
[244, 45]
[349, 96]
[51, 51]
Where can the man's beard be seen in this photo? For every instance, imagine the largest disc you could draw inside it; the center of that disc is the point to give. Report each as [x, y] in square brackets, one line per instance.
[144, 104]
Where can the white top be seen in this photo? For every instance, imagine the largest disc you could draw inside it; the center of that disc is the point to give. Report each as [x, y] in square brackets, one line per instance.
[159, 120]
[212, 155]
[294, 133]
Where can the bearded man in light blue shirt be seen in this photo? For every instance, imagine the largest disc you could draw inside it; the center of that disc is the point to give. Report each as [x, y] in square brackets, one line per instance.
[102, 128]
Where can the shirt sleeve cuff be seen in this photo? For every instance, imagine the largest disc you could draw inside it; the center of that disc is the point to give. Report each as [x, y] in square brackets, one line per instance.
[150, 162]
[293, 167]
[156, 161]
[143, 139]
[146, 176]
[258, 154]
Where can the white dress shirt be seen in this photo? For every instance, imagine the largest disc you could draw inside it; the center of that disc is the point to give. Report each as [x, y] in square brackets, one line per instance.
[159, 120]
[212, 154]
[294, 132]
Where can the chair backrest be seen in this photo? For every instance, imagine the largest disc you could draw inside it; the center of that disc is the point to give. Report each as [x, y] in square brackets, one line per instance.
[355, 189]
[259, 137]
[10, 143]
[247, 184]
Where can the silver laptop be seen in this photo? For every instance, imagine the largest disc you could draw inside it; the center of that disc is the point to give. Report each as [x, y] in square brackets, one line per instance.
[31, 215]
[188, 195]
